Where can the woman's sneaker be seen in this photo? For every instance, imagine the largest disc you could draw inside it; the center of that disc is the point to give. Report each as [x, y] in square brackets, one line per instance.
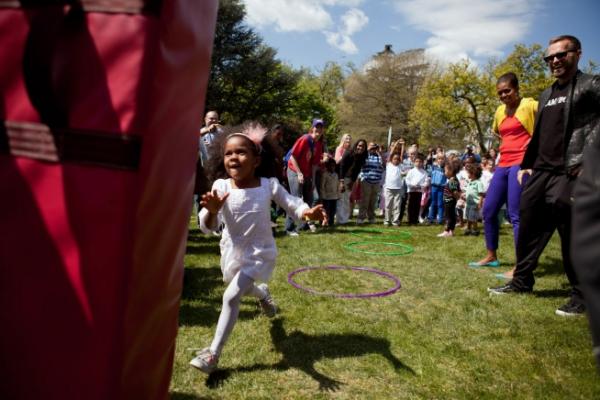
[205, 361]
[267, 304]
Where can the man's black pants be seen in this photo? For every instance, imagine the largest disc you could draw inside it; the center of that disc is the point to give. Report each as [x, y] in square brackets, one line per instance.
[545, 207]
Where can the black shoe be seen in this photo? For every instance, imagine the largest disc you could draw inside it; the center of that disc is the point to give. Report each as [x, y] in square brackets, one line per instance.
[572, 308]
[509, 288]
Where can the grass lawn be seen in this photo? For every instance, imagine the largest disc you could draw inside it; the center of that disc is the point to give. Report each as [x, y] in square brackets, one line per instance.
[441, 336]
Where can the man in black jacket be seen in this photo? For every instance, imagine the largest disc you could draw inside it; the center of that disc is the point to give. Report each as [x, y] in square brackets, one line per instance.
[568, 121]
[586, 231]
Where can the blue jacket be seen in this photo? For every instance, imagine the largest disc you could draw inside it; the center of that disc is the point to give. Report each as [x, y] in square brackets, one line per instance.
[438, 177]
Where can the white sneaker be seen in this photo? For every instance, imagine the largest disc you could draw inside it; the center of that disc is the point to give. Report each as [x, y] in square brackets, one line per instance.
[443, 234]
[267, 304]
[312, 227]
[292, 233]
[205, 361]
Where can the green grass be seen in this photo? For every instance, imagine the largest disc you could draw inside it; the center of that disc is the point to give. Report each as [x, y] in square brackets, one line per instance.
[439, 337]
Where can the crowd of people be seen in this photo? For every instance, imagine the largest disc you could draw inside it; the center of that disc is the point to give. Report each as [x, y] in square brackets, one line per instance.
[531, 177]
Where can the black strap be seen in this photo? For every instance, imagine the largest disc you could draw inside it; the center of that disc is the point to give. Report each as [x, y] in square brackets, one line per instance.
[40, 142]
[151, 7]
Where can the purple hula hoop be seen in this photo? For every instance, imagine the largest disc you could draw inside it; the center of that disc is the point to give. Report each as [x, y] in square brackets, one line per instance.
[346, 295]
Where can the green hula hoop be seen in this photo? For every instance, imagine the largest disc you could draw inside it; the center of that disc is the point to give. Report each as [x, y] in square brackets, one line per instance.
[370, 233]
[406, 249]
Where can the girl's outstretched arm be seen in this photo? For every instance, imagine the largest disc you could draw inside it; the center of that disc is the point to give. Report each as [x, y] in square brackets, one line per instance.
[212, 202]
[316, 213]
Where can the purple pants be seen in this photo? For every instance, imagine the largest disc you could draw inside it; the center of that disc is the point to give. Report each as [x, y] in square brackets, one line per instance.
[504, 188]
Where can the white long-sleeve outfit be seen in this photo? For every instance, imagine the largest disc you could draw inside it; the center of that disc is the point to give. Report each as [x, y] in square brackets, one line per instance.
[416, 180]
[248, 249]
[247, 242]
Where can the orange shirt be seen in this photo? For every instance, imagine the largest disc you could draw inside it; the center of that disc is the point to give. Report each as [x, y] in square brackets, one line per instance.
[515, 139]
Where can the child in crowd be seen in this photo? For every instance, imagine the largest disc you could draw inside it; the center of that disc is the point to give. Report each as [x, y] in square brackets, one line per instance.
[241, 200]
[370, 184]
[487, 173]
[330, 190]
[438, 182]
[474, 198]
[451, 195]
[463, 179]
[416, 181]
[393, 190]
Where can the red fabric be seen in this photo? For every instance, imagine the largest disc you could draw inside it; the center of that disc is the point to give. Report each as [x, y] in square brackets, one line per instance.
[91, 258]
[303, 154]
[514, 142]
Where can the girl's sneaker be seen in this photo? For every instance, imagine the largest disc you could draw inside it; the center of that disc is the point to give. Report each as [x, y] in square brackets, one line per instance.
[446, 234]
[205, 361]
[267, 304]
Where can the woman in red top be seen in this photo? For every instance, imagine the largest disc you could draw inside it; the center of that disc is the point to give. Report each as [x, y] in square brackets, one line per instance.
[513, 122]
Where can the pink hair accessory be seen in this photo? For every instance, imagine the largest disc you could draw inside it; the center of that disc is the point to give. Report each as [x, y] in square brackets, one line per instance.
[253, 131]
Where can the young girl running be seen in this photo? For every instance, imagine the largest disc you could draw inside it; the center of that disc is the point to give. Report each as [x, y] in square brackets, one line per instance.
[242, 202]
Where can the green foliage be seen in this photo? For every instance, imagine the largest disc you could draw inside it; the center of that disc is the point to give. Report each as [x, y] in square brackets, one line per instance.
[247, 81]
[453, 106]
[381, 96]
[528, 63]
[591, 67]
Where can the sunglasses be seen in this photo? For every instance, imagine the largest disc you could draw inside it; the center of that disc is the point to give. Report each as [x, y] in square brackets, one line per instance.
[559, 56]
[505, 91]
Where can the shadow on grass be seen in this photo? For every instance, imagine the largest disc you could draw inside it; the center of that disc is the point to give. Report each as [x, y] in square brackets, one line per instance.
[199, 284]
[551, 293]
[551, 266]
[195, 236]
[190, 315]
[186, 396]
[301, 351]
[203, 249]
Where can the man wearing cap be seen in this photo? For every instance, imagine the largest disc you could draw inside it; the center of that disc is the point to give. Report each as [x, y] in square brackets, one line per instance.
[304, 154]
[568, 122]
[469, 153]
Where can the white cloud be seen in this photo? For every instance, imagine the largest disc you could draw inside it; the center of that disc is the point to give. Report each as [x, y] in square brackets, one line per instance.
[353, 21]
[310, 16]
[462, 29]
[341, 42]
[288, 15]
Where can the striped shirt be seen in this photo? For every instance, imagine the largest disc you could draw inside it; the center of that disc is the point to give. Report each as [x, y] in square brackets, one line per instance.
[372, 171]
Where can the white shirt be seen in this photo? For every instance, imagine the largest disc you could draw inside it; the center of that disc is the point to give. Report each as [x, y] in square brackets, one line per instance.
[393, 176]
[416, 180]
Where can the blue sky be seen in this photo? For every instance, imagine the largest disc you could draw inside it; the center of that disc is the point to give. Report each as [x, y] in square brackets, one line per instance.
[308, 33]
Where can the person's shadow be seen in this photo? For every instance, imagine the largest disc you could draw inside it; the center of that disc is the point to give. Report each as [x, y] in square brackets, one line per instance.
[301, 351]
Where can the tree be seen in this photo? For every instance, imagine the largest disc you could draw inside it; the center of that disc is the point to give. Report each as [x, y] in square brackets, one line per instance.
[317, 96]
[529, 65]
[247, 81]
[454, 105]
[382, 94]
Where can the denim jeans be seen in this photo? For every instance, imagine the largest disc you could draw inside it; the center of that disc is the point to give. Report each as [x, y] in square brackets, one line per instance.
[304, 191]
